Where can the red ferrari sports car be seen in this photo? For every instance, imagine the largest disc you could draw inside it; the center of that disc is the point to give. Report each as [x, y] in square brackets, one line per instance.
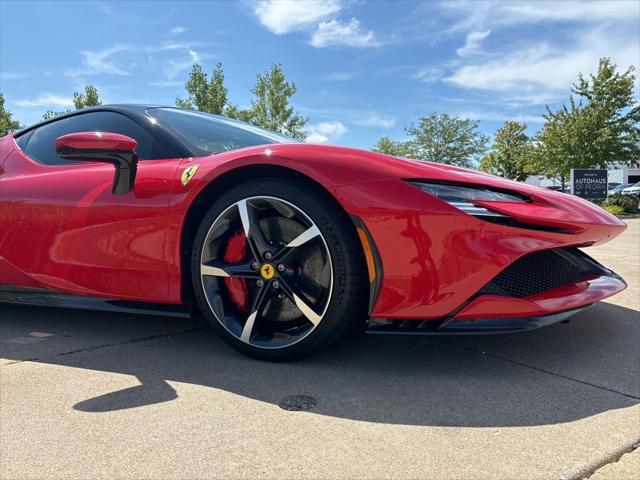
[282, 246]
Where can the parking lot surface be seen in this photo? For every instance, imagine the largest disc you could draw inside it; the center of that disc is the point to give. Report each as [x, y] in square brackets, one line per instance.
[101, 395]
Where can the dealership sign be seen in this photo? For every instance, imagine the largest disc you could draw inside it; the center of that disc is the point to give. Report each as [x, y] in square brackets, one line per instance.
[589, 183]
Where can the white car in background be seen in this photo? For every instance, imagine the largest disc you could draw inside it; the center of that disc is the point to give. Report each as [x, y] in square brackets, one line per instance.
[632, 190]
[617, 189]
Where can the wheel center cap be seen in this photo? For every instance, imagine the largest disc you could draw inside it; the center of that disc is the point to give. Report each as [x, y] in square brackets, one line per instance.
[267, 271]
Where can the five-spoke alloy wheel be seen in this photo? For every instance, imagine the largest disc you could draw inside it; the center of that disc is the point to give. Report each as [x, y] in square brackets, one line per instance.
[265, 272]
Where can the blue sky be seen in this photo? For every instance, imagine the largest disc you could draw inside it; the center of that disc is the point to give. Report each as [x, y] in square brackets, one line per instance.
[363, 69]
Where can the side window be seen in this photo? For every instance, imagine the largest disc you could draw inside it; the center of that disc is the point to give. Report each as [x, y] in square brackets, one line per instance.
[39, 144]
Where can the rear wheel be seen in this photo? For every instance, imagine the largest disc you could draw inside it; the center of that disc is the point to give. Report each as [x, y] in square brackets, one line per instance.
[277, 270]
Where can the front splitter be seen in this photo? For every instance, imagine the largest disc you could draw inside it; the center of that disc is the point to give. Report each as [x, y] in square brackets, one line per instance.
[468, 326]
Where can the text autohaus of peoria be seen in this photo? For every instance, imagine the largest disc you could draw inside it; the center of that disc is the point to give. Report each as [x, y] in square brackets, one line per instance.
[617, 174]
[589, 183]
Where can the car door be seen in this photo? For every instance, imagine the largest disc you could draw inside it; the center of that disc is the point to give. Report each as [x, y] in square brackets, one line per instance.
[62, 228]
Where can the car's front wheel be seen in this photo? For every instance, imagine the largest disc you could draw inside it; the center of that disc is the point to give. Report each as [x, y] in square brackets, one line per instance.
[277, 269]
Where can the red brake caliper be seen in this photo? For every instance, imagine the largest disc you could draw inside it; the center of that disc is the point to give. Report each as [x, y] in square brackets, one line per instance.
[235, 252]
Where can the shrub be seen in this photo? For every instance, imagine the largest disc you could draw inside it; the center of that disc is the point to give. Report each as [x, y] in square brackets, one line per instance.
[628, 203]
[613, 209]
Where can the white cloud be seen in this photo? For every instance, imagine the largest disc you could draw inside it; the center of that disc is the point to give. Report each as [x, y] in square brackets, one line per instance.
[166, 83]
[534, 72]
[150, 16]
[374, 119]
[496, 116]
[541, 72]
[105, 9]
[170, 45]
[174, 67]
[325, 131]
[339, 76]
[335, 32]
[363, 118]
[177, 30]
[46, 100]
[319, 17]
[101, 62]
[472, 44]
[429, 74]
[477, 15]
[96, 63]
[11, 76]
[288, 16]
[540, 11]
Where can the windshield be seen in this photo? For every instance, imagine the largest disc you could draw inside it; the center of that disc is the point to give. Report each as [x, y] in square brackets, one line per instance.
[206, 134]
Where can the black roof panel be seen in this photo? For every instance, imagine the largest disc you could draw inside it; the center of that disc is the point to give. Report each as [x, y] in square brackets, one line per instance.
[135, 110]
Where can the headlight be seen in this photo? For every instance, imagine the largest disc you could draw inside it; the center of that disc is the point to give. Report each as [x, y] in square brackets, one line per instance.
[463, 197]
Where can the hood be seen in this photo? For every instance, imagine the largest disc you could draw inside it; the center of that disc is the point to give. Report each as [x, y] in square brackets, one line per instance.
[341, 166]
[421, 170]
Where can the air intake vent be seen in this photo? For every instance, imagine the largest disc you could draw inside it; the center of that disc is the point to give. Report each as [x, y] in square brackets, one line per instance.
[540, 271]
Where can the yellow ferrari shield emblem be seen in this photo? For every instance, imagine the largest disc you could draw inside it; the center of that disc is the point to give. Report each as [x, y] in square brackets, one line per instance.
[188, 174]
[267, 271]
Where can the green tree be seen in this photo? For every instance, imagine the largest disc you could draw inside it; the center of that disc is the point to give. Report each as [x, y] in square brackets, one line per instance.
[89, 98]
[7, 123]
[391, 147]
[440, 138]
[206, 95]
[233, 111]
[511, 153]
[612, 114]
[53, 113]
[557, 142]
[601, 128]
[271, 108]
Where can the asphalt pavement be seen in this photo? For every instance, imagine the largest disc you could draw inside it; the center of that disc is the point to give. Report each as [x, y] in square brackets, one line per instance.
[100, 395]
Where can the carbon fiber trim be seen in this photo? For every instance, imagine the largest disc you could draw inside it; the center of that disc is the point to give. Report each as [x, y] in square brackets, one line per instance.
[47, 298]
[467, 327]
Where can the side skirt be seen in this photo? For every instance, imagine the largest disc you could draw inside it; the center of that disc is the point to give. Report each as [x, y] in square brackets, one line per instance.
[47, 298]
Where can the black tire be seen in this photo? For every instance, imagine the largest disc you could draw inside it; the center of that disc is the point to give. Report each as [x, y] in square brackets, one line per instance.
[345, 304]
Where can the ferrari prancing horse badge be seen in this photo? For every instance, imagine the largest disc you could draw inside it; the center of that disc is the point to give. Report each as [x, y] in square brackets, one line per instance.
[188, 174]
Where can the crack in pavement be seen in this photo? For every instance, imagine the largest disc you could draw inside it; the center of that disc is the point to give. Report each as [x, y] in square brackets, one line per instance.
[542, 370]
[590, 470]
[106, 345]
[613, 458]
[584, 473]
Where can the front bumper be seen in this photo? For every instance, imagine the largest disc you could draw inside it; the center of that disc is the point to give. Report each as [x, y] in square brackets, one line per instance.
[435, 259]
[539, 289]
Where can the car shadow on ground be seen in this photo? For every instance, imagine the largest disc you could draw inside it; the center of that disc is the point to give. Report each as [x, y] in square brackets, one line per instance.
[559, 374]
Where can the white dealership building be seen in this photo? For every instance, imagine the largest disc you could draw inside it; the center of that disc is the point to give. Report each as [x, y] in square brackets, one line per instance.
[617, 174]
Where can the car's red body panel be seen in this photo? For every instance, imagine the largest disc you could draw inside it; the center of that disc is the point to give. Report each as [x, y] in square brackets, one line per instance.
[568, 297]
[62, 228]
[96, 140]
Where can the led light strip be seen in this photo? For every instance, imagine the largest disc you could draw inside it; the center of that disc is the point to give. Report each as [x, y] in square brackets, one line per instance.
[474, 210]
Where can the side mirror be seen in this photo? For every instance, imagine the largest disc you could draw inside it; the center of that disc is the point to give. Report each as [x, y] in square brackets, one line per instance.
[113, 148]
